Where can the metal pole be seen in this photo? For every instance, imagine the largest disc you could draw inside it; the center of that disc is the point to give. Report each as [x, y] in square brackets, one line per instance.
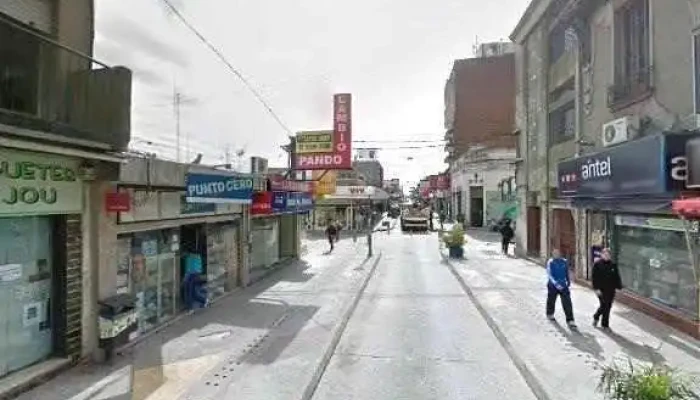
[369, 229]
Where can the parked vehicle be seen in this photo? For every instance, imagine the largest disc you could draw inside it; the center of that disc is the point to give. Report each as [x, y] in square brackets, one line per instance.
[415, 219]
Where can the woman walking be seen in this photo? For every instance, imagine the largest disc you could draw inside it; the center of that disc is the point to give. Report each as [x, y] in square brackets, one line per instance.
[606, 281]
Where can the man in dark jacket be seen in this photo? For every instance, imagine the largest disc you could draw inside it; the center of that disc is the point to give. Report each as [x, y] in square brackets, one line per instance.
[332, 234]
[506, 236]
[606, 280]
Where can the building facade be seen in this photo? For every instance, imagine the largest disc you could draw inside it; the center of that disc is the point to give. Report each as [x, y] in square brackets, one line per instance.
[479, 104]
[606, 98]
[64, 119]
[482, 183]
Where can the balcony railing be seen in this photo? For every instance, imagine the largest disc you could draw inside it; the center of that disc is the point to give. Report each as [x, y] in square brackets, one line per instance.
[50, 88]
[630, 89]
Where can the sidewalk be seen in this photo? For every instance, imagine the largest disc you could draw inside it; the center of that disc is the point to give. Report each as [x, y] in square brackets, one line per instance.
[512, 293]
[286, 316]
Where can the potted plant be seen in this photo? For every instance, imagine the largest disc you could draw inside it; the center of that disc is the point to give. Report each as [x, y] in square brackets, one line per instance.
[454, 240]
[645, 382]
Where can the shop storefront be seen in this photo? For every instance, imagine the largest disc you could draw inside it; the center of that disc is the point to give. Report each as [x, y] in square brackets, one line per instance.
[41, 195]
[163, 228]
[626, 192]
[276, 226]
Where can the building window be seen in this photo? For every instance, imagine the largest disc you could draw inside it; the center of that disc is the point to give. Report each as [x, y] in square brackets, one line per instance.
[19, 70]
[562, 123]
[632, 55]
[557, 44]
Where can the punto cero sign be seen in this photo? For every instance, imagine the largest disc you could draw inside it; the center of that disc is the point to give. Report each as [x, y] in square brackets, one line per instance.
[33, 183]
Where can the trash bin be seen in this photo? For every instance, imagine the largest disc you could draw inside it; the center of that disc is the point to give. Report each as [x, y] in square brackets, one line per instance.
[117, 321]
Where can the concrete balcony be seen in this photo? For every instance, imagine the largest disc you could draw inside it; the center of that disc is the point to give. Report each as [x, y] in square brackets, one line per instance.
[51, 93]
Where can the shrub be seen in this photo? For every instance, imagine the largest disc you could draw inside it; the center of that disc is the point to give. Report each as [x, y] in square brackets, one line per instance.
[645, 382]
[455, 237]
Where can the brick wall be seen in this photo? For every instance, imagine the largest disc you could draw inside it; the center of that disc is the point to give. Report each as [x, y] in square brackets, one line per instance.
[68, 296]
[485, 102]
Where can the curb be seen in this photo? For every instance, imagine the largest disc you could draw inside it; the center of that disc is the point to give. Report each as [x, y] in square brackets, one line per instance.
[532, 382]
[338, 333]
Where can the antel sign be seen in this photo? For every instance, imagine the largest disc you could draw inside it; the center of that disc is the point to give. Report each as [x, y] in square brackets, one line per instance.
[341, 156]
[648, 166]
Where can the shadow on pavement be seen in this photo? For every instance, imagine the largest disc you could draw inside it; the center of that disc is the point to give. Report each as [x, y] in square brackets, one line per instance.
[641, 352]
[138, 372]
[584, 342]
[662, 332]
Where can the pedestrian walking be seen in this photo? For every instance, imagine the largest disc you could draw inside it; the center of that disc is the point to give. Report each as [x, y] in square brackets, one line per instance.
[193, 285]
[507, 235]
[559, 285]
[331, 234]
[606, 281]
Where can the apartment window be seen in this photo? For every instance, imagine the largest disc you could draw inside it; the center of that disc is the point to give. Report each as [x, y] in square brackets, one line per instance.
[632, 55]
[557, 44]
[19, 70]
[562, 123]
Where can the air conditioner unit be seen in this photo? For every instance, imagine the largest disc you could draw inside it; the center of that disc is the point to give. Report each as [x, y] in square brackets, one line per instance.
[617, 131]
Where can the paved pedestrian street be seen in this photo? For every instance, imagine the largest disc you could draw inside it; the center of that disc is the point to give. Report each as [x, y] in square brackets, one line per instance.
[403, 324]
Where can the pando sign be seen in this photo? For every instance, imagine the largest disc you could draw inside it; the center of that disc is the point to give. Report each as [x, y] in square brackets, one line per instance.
[32, 183]
[206, 188]
[331, 150]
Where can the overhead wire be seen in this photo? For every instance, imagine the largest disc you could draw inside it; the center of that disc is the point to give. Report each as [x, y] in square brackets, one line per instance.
[228, 65]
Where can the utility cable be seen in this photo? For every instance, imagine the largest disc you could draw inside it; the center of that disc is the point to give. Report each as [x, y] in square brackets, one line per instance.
[230, 66]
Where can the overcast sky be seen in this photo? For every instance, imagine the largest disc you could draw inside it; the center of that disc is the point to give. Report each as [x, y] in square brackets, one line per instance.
[392, 55]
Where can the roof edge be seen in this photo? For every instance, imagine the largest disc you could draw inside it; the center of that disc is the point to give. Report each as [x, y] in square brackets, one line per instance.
[532, 13]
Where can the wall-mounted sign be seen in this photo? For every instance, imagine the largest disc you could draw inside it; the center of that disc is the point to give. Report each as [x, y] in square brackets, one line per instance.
[262, 203]
[280, 184]
[33, 183]
[314, 142]
[206, 188]
[354, 190]
[118, 201]
[340, 155]
[326, 182]
[652, 165]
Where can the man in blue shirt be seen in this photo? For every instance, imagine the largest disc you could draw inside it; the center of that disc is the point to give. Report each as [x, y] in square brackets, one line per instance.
[558, 285]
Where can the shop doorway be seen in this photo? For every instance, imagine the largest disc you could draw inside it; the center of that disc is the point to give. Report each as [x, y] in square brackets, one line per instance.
[193, 240]
[563, 235]
[534, 220]
[476, 206]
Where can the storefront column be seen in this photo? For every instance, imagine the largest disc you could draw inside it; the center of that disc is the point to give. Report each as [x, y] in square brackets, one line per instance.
[246, 242]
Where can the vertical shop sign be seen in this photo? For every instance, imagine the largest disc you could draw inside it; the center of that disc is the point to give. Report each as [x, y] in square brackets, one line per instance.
[309, 155]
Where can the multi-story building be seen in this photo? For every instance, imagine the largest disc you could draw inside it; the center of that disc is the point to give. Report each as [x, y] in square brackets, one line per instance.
[606, 94]
[479, 123]
[64, 119]
[371, 170]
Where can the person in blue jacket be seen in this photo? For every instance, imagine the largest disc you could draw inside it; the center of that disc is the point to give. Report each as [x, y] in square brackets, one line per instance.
[558, 285]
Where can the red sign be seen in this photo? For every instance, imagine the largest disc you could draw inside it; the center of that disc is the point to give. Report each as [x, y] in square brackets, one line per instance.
[443, 182]
[341, 157]
[279, 184]
[117, 202]
[433, 186]
[262, 203]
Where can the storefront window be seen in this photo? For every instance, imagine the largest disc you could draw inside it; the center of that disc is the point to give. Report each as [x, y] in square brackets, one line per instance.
[222, 258]
[265, 236]
[25, 292]
[152, 264]
[654, 261]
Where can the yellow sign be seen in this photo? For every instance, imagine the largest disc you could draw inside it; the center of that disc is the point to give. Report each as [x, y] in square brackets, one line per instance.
[314, 142]
[325, 184]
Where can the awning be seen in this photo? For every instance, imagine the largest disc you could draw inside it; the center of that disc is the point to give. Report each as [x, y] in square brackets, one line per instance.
[626, 204]
[687, 207]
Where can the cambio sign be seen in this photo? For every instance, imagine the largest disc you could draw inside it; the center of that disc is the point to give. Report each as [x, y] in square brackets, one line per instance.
[341, 155]
[648, 166]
